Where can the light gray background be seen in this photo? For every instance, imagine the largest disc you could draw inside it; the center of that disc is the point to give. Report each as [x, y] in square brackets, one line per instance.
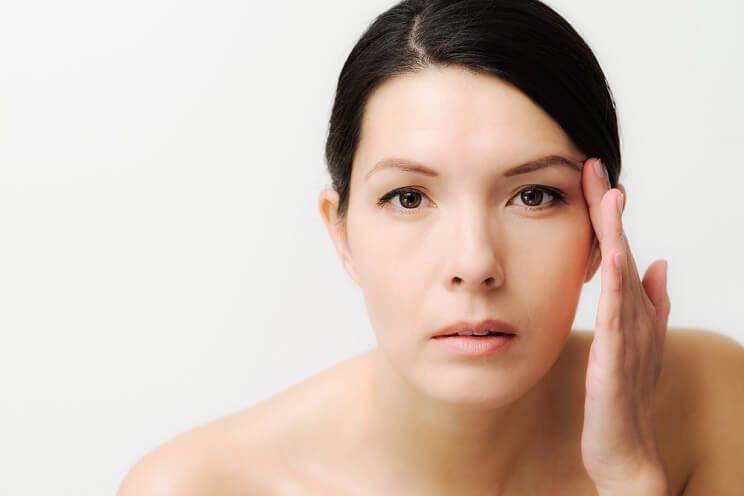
[162, 258]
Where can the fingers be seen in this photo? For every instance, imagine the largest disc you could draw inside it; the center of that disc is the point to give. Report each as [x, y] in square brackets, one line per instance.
[610, 237]
[609, 321]
[595, 184]
[655, 286]
[609, 335]
[632, 315]
[596, 187]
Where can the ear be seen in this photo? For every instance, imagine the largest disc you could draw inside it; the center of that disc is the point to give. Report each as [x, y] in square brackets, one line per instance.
[328, 201]
[595, 257]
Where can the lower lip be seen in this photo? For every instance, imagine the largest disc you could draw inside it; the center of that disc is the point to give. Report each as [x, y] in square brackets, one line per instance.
[476, 346]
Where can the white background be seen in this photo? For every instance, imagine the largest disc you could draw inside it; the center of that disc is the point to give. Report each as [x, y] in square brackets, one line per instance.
[162, 258]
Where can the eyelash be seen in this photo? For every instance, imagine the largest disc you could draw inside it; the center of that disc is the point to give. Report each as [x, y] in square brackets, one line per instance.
[558, 197]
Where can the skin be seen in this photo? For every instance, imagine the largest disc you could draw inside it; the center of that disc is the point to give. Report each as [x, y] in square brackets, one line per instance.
[619, 443]
[406, 418]
[469, 249]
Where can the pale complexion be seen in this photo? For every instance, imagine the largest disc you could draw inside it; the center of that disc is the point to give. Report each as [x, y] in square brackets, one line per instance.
[463, 245]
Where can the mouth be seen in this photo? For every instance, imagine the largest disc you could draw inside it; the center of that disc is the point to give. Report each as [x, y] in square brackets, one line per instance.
[473, 345]
[477, 330]
[490, 334]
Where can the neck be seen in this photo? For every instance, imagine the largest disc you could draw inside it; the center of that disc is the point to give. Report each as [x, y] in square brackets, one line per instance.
[448, 447]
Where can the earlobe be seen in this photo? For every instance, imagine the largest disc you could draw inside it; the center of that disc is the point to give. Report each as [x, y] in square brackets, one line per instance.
[328, 201]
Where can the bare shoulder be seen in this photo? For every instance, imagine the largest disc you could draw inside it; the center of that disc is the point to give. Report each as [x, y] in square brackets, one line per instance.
[218, 458]
[716, 368]
[692, 339]
[707, 366]
[252, 451]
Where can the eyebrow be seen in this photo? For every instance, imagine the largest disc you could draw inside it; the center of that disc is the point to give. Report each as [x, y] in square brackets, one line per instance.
[530, 166]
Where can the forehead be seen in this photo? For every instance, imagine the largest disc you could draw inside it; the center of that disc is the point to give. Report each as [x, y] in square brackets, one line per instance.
[453, 115]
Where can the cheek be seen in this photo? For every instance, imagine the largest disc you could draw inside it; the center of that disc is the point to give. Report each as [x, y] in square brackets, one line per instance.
[392, 258]
[550, 263]
[396, 276]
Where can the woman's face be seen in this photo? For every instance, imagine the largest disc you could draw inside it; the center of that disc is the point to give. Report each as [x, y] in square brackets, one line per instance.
[464, 244]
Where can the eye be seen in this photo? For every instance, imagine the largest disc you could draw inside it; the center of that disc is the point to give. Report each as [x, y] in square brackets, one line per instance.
[533, 195]
[409, 199]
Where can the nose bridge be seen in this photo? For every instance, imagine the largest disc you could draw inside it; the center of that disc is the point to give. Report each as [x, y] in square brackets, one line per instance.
[475, 248]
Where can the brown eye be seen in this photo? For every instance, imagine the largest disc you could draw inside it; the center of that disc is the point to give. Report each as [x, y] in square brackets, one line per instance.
[408, 199]
[532, 197]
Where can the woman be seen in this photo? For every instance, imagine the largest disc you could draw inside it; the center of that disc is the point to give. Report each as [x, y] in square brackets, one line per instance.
[468, 197]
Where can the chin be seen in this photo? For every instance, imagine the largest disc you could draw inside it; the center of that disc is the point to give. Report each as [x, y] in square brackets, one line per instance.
[473, 387]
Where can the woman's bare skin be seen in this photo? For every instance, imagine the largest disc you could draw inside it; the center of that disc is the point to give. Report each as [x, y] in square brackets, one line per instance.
[422, 424]
[305, 439]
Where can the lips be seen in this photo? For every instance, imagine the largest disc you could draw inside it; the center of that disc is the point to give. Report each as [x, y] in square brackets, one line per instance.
[482, 326]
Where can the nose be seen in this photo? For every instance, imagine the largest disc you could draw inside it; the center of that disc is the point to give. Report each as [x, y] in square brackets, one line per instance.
[475, 258]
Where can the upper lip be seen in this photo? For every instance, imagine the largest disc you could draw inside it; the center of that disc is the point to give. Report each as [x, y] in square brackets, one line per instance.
[482, 326]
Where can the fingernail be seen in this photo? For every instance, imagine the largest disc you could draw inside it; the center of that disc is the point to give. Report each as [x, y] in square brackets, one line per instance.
[620, 202]
[601, 171]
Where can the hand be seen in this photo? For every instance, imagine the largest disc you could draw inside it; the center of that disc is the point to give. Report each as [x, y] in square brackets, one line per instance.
[618, 441]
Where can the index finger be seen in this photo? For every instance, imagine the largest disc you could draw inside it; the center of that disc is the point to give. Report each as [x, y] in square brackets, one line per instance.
[595, 184]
